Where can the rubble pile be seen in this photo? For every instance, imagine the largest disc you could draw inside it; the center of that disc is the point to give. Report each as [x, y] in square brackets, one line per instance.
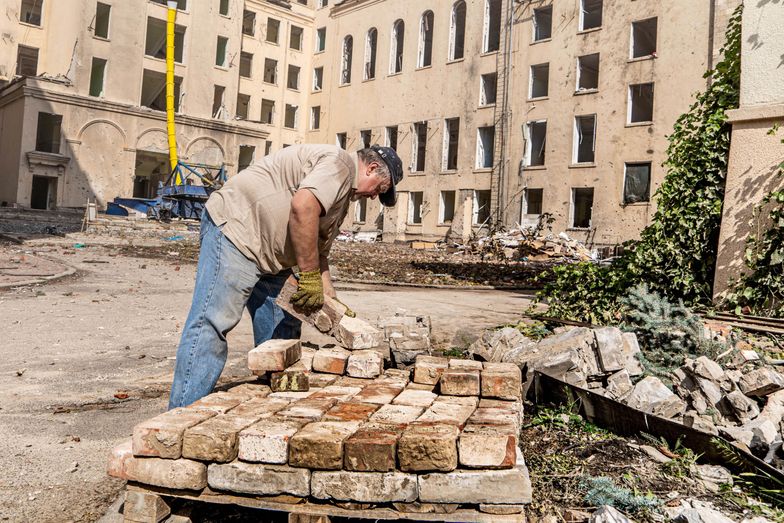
[407, 336]
[524, 244]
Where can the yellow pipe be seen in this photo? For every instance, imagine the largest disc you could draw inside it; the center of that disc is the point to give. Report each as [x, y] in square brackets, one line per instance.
[170, 18]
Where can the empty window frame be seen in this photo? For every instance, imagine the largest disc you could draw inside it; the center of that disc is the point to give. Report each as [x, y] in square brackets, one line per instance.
[321, 39]
[323, 3]
[643, 40]
[318, 78]
[182, 5]
[390, 137]
[487, 89]
[246, 64]
[270, 71]
[485, 143]
[543, 23]
[223, 7]
[419, 152]
[535, 142]
[365, 138]
[360, 211]
[590, 14]
[247, 152]
[267, 111]
[102, 16]
[446, 207]
[248, 22]
[243, 106]
[47, 137]
[348, 56]
[218, 94]
[97, 76]
[292, 81]
[290, 117]
[315, 118]
[451, 143]
[540, 81]
[396, 47]
[30, 12]
[492, 30]
[221, 54]
[582, 207]
[371, 46]
[481, 214]
[155, 41]
[340, 140]
[641, 103]
[267, 147]
[425, 55]
[588, 72]
[532, 202]
[457, 31]
[636, 182]
[273, 30]
[296, 37]
[26, 61]
[584, 139]
[415, 207]
[154, 90]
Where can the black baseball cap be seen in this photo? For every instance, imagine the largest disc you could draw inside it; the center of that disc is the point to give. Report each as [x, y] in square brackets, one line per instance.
[390, 157]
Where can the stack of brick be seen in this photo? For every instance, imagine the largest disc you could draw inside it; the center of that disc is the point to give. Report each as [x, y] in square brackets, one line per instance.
[448, 437]
[407, 336]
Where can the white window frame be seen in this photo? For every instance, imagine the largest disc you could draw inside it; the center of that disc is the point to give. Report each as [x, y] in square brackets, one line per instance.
[388, 137]
[480, 149]
[453, 33]
[581, 22]
[296, 116]
[313, 110]
[577, 138]
[422, 40]
[572, 209]
[393, 47]
[445, 144]
[371, 55]
[529, 143]
[410, 220]
[629, 103]
[531, 81]
[345, 66]
[315, 87]
[319, 40]
[442, 207]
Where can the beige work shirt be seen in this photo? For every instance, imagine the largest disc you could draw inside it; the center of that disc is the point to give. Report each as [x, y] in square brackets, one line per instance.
[253, 206]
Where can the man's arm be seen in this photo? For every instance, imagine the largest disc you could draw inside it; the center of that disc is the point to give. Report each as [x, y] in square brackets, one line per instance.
[303, 229]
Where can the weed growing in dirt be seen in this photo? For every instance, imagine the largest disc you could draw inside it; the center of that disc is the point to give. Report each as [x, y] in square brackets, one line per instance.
[535, 330]
[683, 459]
[603, 491]
[454, 352]
[566, 418]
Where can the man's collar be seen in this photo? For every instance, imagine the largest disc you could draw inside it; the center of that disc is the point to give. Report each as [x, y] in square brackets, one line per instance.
[355, 183]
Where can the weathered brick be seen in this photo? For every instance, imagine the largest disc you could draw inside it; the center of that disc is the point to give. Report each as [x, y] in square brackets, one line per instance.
[450, 412]
[428, 369]
[337, 392]
[309, 408]
[251, 389]
[169, 473]
[458, 364]
[379, 393]
[350, 411]
[365, 487]
[504, 509]
[259, 479]
[324, 319]
[372, 449]
[356, 333]
[415, 398]
[161, 436]
[348, 381]
[306, 358]
[396, 414]
[331, 361]
[365, 364]
[215, 439]
[294, 396]
[267, 441]
[142, 506]
[320, 380]
[494, 416]
[260, 407]
[274, 355]
[428, 447]
[397, 376]
[501, 380]
[459, 382]
[292, 379]
[319, 445]
[220, 402]
[487, 447]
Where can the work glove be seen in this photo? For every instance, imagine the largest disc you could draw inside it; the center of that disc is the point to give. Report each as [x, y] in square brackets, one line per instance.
[310, 291]
[349, 312]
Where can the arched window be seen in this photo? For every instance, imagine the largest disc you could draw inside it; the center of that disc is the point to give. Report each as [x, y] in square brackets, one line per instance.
[371, 41]
[396, 54]
[425, 57]
[457, 31]
[348, 52]
[492, 32]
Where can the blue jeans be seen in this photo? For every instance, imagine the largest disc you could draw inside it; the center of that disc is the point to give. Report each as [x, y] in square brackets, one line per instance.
[226, 282]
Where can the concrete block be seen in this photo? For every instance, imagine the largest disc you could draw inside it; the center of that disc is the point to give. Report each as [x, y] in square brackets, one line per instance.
[761, 382]
[365, 364]
[356, 334]
[319, 445]
[428, 447]
[216, 439]
[371, 449]
[161, 436]
[308, 408]
[365, 487]
[415, 398]
[619, 384]
[501, 380]
[274, 355]
[487, 447]
[379, 393]
[292, 379]
[267, 441]
[740, 407]
[350, 411]
[428, 369]
[459, 364]
[396, 414]
[459, 382]
[260, 479]
[331, 361]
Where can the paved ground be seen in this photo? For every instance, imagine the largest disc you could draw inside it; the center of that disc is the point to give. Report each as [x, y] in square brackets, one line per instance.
[84, 358]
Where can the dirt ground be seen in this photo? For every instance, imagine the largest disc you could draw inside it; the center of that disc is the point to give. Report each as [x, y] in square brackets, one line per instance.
[85, 358]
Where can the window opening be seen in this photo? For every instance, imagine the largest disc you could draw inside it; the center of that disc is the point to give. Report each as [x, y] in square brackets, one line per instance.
[446, 208]
[218, 94]
[644, 38]
[293, 77]
[30, 12]
[415, 207]
[492, 32]
[582, 207]
[481, 207]
[451, 141]
[318, 78]
[540, 80]
[321, 39]
[220, 52]
[637, 183]
[155, 42]
[532, 202]
[290, 119]
[485, 145]
[273, 30]
[535, 143]
[543, 23]
[396, 58]
[295, 39]
[371, 43]
[420, 146]
[248, 22]
[488, 89]
[590, 14]
[588, 72]
[365, 138]
[243, 106]
[457, 31]
[246, 64]
[154, 90]
[426, 40]
[315, 117]
[267, 147]
[47, 139]
[223, 8]
[585, 138]
[26, 61]
[247, 152]
[391, 137]
[267, 111]
[348, 54]
[102, 14]
[641, 103]
[340, 139]
[97, 75]
[270, 71]
[360, 211]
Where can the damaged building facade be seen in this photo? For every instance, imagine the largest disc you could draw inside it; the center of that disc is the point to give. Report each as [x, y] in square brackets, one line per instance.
[502, 111]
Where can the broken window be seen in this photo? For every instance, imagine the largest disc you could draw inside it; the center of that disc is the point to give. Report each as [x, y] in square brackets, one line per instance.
[415, 207]
[487, 90]
[47, 137]
[590, 14]
[390, 135]
[155, 43]
[540, 80]
[318, 78]
[26, 61]
[218, 93]
[220, 52]
[243, 106]
[273, 30]
[457, 31]
[321, 39]
[360, 211]
[485, 144]
[371, 43]
[295, 38]
[535, 143]
[323, 3]
[97, 74]
[644, 38]
[340, 140]
[293, 77]
[396, 48]
[290, 118]
[248, 22]
[267, 111]
[584, 138]
[532, 202]
[154, 90]
[543, 23]
[582, 207]
[481, 207]
[637, 183]
[492, 32]
[588, 72]
[31, 12]
[246, 64]
[365, 138]
[315, 118]
[102, 12]
[223, 7]
[641, 103]
[446, 207]
[267, 147]
[425, 57]
[451, 140]
[420, 146]
[270, 71]
[247, 152]
[348, 55]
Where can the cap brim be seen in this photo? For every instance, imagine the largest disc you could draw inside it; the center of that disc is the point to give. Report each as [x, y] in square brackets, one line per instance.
[389, 198]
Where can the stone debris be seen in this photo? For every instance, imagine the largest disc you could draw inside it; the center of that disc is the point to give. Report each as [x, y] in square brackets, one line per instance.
[408, 336]
[652, 396]
[761, 382]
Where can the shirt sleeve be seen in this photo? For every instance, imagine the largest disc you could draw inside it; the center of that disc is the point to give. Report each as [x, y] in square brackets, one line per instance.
[329, 181]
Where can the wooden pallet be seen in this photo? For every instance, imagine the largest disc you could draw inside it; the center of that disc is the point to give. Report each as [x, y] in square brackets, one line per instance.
[149, 504]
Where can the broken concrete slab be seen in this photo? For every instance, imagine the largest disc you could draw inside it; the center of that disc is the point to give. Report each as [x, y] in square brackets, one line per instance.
[631, 349]
[650, 395]
[500, 344]
[365, 487]
[274, 355]
[319, 445]
[619, 385]
[259, 479]
[428, 447]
